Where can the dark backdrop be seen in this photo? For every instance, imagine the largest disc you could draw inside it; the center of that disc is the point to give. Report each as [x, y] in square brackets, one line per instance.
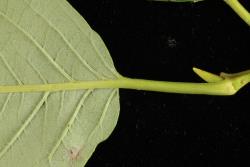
[163, 41]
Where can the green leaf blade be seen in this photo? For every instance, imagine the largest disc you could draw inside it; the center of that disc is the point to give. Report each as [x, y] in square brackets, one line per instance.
[46, 42]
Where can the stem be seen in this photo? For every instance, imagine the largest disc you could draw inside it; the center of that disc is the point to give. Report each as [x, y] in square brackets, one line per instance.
[219, 88]
[225, 84]
[239, 9]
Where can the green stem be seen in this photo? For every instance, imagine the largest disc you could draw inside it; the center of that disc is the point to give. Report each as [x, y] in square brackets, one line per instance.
[219, 88]
[239, 9]
[226, 84]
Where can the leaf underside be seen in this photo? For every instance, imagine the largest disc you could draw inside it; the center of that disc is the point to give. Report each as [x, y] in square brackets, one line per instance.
[41, 42]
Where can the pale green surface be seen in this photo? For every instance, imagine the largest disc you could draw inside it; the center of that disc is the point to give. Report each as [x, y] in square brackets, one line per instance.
[47, 41]
[58, 85]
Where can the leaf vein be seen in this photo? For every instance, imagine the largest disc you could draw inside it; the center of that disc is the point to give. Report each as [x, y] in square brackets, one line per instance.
[38, 72]
[45, 53]
[83, 61]
[68, 125]
[24, 126]
[5, 103]
[95, 49]
[11, 70]
[104, 112]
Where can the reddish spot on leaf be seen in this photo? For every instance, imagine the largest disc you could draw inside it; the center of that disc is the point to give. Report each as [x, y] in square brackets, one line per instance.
[74, 153]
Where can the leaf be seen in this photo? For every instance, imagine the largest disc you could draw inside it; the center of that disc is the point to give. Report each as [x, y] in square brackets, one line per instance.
[44, 42]
[46, 48]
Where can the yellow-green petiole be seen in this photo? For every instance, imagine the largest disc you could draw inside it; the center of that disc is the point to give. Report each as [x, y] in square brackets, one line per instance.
[225, 84]
[239, 9]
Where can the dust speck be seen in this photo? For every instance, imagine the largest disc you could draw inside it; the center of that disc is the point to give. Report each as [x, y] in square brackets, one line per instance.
[172, 42]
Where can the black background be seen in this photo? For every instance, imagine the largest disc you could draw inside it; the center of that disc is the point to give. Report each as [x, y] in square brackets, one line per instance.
[163, 41]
